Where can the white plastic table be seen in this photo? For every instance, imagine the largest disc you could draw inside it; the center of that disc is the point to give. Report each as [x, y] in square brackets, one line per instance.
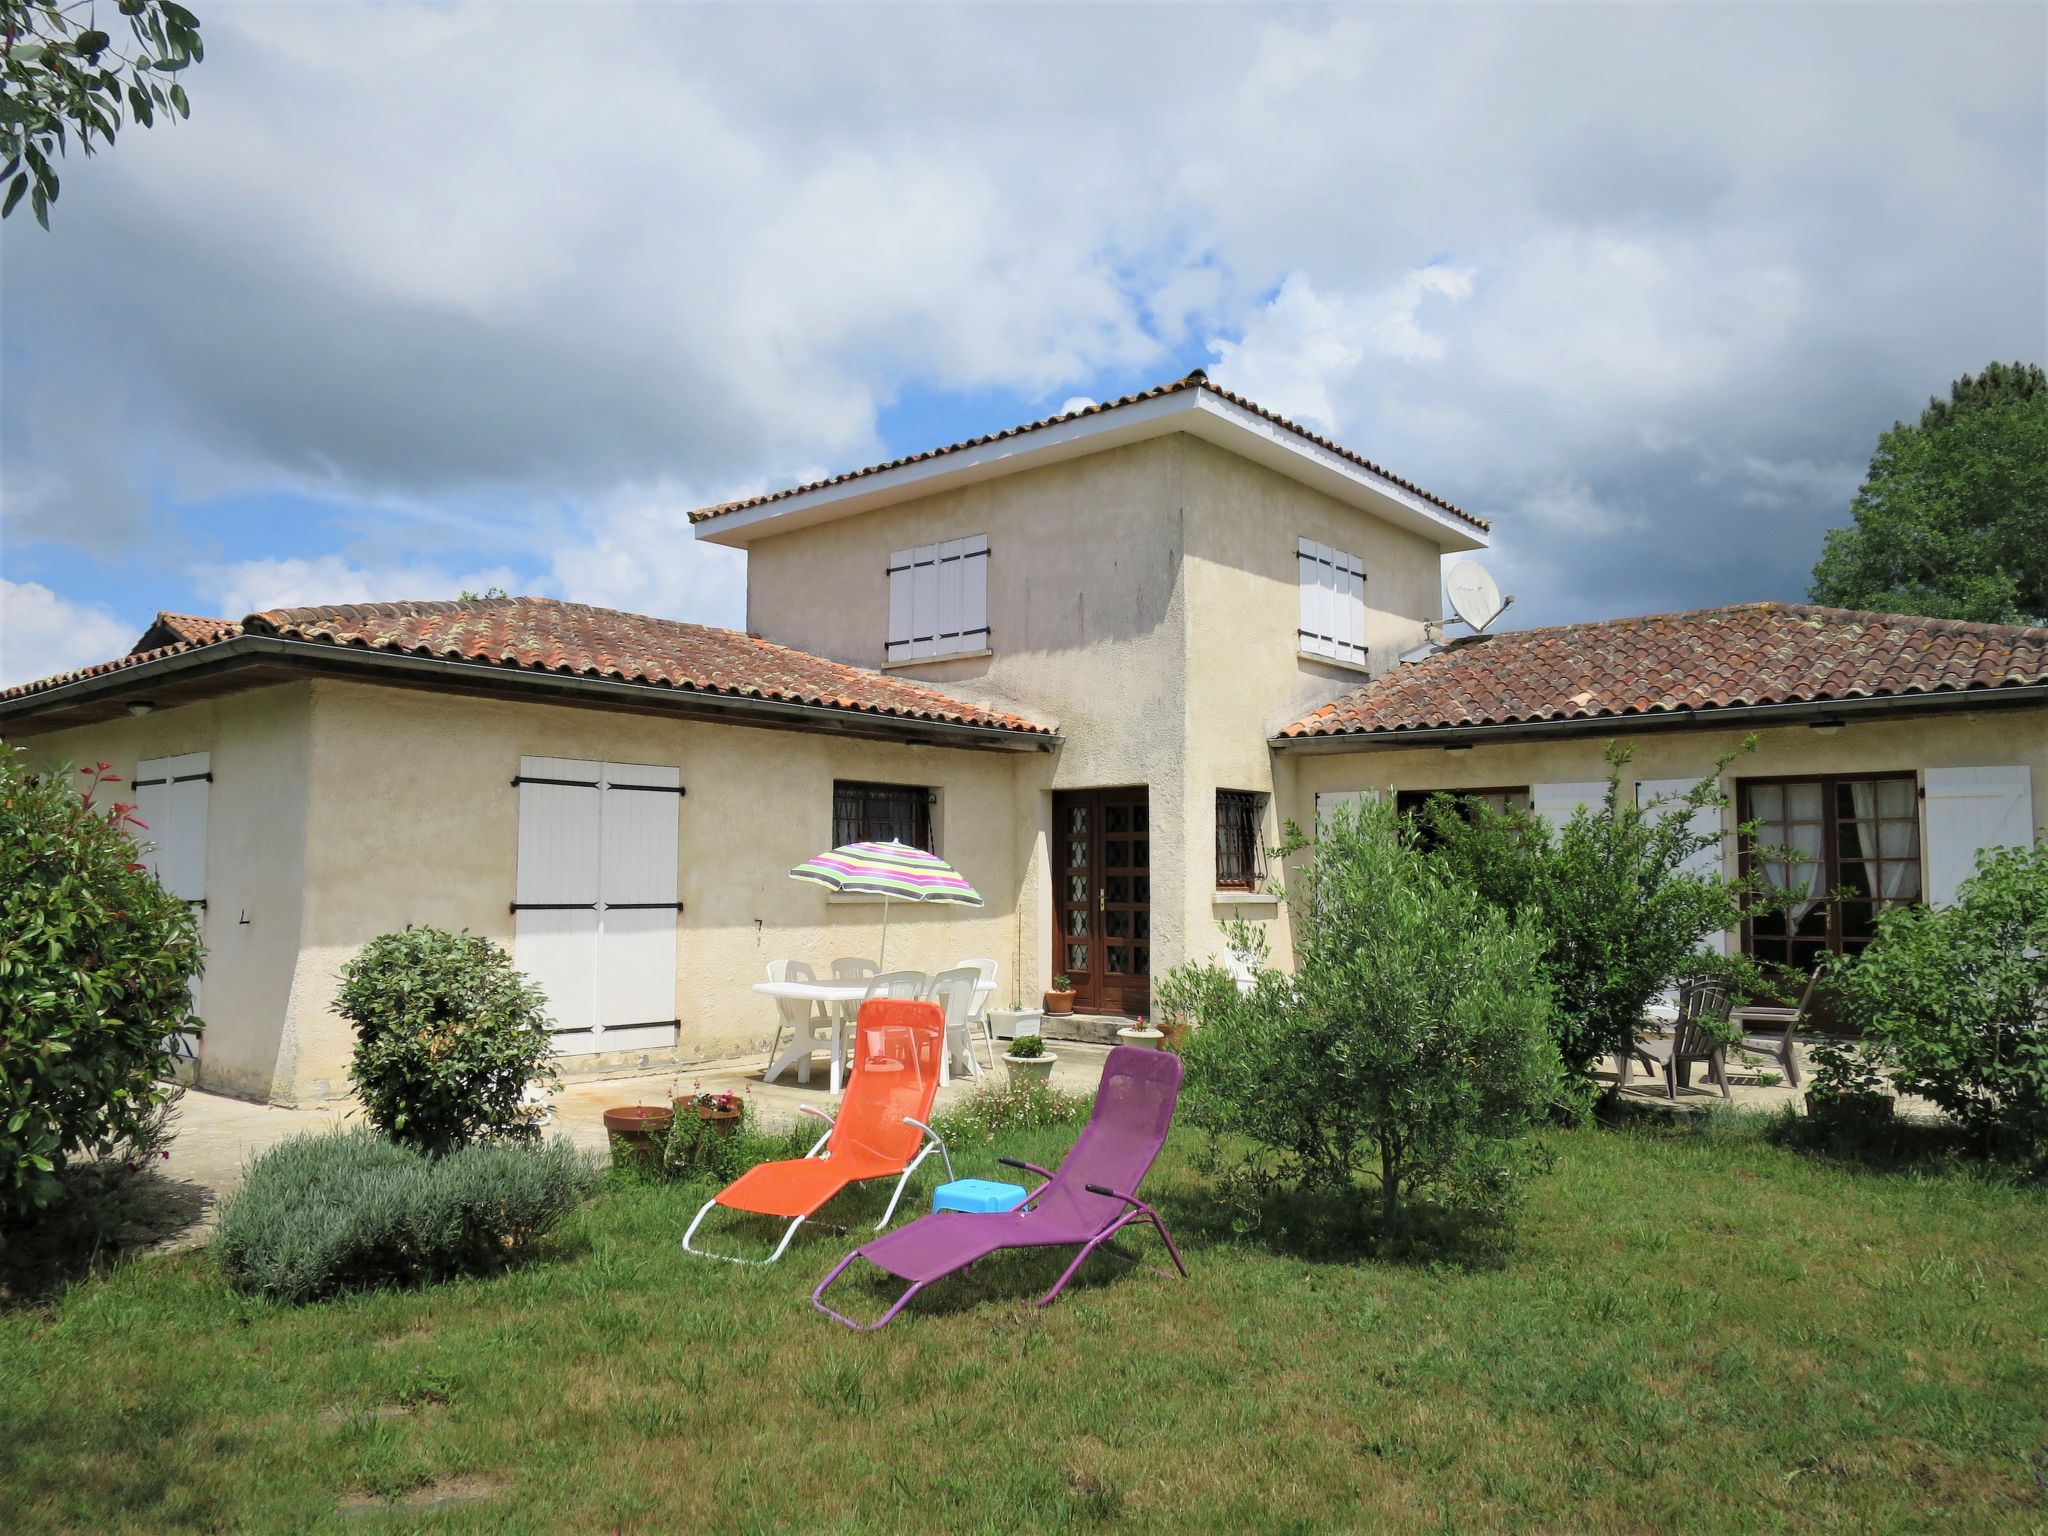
[800, 1049]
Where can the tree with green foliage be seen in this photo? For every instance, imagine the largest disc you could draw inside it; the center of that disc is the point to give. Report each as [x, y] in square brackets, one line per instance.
[1411, 1043]
[96, 969]
[61, 78]
[1616, 893]
[449, 1036]
[1955, 1002]
[1952, 520]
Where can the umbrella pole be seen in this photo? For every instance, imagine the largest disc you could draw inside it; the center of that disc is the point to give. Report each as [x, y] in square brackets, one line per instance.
[882, 960]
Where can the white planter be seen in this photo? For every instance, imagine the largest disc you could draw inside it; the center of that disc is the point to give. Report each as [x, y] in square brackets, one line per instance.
[1012, 1022]
[1147, 1038]
[1030, 1069]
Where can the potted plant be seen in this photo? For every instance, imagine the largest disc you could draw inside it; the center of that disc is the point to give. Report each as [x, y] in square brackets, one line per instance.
[1141, 1034]
[1028, 1059]
[1061, 998]
[1016, 1020]
[640, 1128]
[721, 1111]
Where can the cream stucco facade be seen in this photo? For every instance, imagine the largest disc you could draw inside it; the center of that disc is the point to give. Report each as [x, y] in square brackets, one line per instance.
[1143, 600]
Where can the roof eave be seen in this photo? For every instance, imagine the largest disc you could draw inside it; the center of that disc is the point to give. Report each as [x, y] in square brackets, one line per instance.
[1802, 712]
[475, 677]
[1201, 412]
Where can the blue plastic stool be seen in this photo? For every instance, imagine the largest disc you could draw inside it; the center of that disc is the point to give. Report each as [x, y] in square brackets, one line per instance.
[977, 1195]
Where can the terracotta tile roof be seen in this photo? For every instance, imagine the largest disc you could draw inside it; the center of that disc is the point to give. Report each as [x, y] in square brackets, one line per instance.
[1713, 658]
[1195, 380]
[572, 639]
[157, 642]
[170, 628]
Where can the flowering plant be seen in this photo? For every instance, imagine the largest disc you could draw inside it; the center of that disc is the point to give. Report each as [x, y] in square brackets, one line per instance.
[717, 1103]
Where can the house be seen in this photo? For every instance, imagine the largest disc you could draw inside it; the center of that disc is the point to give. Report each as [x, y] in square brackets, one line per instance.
[1096, 661]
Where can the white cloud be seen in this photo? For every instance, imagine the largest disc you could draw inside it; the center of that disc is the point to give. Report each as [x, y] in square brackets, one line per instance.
[1543, 248]
[42, 633]
[243, 587]
[1075, 403]
[636, 552]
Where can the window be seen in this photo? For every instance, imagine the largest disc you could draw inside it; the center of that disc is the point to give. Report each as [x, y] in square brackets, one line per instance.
[938, 600]
[1844, 847]
[1332, 602]
[1240, 852]
[882, 813]
[1409, 801]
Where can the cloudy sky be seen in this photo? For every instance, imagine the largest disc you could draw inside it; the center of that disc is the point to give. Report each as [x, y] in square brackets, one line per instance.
[433, 297]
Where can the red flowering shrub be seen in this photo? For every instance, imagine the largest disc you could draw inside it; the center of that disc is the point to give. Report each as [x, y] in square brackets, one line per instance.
[96, 966]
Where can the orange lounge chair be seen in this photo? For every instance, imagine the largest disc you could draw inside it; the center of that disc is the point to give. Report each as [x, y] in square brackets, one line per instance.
[880, 1129]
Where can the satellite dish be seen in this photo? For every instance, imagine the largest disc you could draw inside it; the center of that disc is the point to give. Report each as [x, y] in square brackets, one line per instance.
[1474, 596]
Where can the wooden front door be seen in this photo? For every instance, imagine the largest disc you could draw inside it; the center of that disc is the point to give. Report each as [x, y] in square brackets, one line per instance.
[1102, 850]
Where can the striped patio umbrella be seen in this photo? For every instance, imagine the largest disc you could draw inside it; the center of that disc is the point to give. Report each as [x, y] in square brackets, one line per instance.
[892, 871]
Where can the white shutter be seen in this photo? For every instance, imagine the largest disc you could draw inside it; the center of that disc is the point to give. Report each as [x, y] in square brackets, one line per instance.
[924, 600]
[1665, 797]
[637, 919]
[1348, 573]
[899, 606]
[974, 593]
[171, 795]
[946, 630]
[555, 925]
[1555, 803]
[1968, 809]
[1332, 588]
[1330, 801]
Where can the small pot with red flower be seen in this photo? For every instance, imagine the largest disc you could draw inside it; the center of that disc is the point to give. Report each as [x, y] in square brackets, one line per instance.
[721, 1111]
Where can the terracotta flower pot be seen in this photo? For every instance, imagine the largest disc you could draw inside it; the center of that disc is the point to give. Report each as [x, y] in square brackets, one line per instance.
[720, 1120]
[1059, 1002]
[640, 1127]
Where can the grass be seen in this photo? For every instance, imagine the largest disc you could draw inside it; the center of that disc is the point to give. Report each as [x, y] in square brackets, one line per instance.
[1697, 1329]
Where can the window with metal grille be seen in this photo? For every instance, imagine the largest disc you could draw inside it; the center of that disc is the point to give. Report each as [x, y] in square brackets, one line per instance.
[882, 813]
[1240, 855]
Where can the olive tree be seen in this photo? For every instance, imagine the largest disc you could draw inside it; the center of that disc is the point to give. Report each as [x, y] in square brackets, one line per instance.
[1411, 1043]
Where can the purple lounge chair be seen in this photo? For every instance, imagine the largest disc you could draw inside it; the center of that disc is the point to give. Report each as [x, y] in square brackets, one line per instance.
[1090, 1200]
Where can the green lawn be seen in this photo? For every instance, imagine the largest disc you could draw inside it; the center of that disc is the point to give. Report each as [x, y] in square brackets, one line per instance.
[1696, 1330]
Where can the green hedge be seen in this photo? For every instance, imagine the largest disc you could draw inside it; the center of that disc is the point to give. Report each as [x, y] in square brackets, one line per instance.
[326, 1213]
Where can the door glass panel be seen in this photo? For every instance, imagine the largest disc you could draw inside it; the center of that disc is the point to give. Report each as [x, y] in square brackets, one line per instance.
[1117, 888]
[1116, 853]
[1077, 922]
[1803, 801]
[1077, 887]
[1077, 855]
[1119, 960]
[1077, 823]
[1077, 959]
[1141, 961]
[1895, 797]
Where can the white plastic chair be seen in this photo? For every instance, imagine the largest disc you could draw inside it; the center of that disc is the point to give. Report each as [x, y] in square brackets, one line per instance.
[903, 984]
[977, 1010]
[953, 991]
[810, 1029]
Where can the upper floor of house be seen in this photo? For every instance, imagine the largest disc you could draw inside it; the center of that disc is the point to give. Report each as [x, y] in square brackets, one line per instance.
[1118, 562]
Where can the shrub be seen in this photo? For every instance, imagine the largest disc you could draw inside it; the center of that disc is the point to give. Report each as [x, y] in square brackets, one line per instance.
[96, 968]
[696, 1148]
[1412, 1040]
[325, 1213]
[448, 1036]
[997, 1110]
[1956, 1002]
[1028, 1047]
[1622, 916]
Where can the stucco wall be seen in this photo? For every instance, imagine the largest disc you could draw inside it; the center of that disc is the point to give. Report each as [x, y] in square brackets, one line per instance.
[255, 859]
[1088, 621]
[1246, 676]
[414, 820]
[1144, 598]
[1952, 739]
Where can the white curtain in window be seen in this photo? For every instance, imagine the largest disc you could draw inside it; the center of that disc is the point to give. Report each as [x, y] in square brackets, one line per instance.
[1898, 873]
